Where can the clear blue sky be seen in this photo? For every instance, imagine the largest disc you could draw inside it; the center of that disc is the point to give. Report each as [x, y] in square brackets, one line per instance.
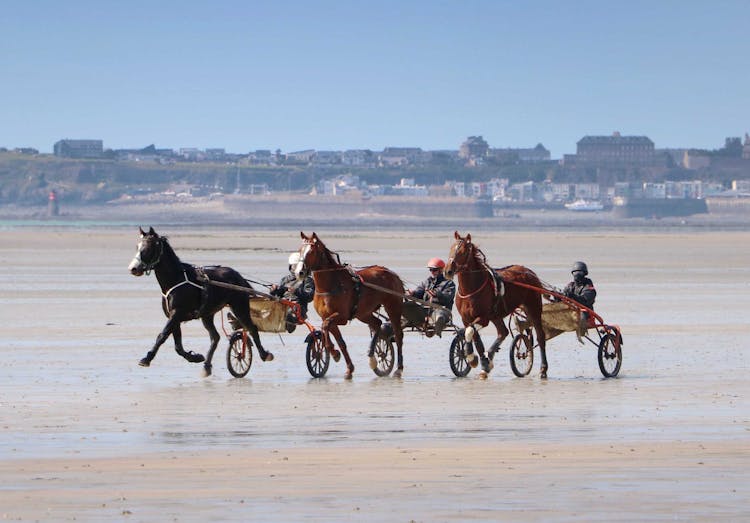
[333, 75]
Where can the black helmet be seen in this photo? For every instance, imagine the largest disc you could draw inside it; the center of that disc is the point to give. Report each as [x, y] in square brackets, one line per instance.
[580, 266]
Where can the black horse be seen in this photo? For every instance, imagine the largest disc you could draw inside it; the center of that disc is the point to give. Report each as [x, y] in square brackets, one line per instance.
[188, 295]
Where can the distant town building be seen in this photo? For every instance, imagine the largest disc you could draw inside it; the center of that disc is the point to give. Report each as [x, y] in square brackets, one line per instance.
[522, 155]
[473, 147]
[746, 148]
[68, 148]
[358, 158]
[615, 150]
[695, 159]
[300, 157]
[400, 156]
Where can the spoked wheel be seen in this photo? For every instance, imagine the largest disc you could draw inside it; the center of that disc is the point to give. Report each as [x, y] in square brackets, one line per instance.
[610, 355]
[239, 355]
[522, 355]
[318, 357]
[457, 356]
[384, 356]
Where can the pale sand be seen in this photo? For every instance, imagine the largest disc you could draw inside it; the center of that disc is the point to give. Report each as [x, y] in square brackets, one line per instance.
[88, 435]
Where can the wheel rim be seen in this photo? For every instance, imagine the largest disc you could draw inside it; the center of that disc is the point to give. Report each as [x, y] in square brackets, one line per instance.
[383, 357]
[610, 356]
[521, 355]
[318, 358]
[457, 357]
[239, 357]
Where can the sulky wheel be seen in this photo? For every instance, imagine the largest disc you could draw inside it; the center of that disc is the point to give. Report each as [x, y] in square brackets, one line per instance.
[610, 355]
[457, 356]
[383, 356]
[522, 355]
[239, 354]
[318, 357]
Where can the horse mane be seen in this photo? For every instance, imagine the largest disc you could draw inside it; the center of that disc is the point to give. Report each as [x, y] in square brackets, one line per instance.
[481, 258]
[168, 250]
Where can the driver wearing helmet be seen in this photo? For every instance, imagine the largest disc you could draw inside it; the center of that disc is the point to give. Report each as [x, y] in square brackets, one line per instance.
[581, 289]
[298, 291]
[436, 289]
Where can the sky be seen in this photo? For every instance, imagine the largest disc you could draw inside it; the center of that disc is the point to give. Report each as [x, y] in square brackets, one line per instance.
[337, 75]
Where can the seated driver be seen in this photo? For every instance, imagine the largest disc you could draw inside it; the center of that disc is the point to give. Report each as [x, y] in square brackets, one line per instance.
[581, 290]
[436, 289]
[298, 291]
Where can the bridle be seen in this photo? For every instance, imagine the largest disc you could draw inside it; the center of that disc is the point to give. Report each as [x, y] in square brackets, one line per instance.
[464, 267]
[452, 260]
[149, 266]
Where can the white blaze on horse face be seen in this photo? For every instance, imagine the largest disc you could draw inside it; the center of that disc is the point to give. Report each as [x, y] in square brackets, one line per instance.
[136, 262]
[299, 268]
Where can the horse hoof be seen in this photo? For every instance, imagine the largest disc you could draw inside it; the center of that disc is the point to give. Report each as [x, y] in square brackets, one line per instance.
[268, 357]
[144, 363]
[543, 374]
[483, 375]
[373, 363]
[472, 360]
[336, 355]
[348, 374]
[397, 373]
[207, 370]
[194, 357]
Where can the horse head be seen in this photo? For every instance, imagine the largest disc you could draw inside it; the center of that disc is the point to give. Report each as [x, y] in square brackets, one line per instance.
[148, 253]
[460, 255]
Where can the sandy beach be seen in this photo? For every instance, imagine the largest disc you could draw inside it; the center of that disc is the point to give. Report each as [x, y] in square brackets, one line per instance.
[88, 435]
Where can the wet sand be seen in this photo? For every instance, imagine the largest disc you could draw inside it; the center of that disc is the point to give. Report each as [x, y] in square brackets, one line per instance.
[88, 435]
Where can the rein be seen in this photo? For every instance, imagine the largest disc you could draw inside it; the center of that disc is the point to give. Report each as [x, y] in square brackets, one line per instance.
[472, 293]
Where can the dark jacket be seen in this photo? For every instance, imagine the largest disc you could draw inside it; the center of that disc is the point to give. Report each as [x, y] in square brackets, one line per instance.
[291, 289]
[582, 291]
[445, 290]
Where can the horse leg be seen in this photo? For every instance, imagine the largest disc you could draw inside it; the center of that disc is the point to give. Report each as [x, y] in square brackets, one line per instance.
[192, 357]
[394, 315]
[241, 311]
[471, 332]
[374, 323]
[536, 321]
[486, 363]
[208, 323]
[172, 328]
[502, 333]
[334, 329]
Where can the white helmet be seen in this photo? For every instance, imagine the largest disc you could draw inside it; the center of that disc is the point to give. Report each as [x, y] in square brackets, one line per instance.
[294, 258]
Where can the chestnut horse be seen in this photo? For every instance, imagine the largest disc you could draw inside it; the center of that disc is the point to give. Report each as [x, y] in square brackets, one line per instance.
[488, 295]
[343, 294]
[187, 295]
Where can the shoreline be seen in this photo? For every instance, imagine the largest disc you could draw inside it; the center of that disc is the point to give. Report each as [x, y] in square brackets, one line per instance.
[215, 214]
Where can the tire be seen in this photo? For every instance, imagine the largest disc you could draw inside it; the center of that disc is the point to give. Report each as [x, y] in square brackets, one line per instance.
[609, 355]
[384, 356]
[521, 355]
[239, 355]
[457, 356]
[317, 356]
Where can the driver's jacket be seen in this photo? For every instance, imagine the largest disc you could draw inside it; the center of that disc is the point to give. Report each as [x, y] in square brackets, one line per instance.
[445, 290]
[583, 292]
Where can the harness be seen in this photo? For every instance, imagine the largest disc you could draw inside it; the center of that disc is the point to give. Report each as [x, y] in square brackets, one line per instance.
[356, 280]
[498, 285]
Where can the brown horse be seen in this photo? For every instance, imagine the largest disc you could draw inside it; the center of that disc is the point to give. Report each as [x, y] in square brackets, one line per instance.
[489, 295]
[343, 294]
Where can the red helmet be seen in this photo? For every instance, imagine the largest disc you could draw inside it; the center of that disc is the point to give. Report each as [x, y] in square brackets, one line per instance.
[435, 263]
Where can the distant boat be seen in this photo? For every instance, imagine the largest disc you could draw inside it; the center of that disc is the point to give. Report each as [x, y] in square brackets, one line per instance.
[584, 205]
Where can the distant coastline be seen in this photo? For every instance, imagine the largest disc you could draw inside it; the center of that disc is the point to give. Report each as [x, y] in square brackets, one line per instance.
[296, 211]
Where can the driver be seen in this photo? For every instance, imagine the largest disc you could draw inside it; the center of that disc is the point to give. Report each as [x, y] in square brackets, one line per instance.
[436, 289]
[298, 291]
